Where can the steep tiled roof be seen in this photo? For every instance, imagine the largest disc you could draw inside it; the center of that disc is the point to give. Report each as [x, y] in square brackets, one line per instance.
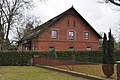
[35, 32]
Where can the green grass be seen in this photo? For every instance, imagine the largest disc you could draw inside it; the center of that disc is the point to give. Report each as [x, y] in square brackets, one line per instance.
[95, 70]
[32, 73]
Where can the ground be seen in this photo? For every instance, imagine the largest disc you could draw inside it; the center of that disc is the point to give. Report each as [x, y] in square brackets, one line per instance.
[32, 73]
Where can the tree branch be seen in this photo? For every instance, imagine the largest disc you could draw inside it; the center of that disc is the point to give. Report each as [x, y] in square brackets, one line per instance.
[113, 2]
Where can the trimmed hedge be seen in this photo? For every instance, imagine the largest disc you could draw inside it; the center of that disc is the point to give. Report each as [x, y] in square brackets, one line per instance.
[13, 58]
[117, 55]
[82, 56]
[18, 58]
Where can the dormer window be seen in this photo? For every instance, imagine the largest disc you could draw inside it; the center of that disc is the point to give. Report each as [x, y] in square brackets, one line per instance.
[54, 34]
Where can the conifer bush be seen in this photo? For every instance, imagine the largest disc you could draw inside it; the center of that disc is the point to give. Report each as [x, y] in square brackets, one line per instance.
[108, 55]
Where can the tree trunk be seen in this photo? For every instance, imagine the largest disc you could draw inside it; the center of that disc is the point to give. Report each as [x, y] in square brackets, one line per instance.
[8, 29]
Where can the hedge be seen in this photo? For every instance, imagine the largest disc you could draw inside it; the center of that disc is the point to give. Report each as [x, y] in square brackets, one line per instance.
[14, 58]
[82, 56]
[23, 58]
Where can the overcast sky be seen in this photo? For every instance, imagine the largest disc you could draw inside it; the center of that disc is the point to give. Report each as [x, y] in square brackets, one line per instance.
[100, 16]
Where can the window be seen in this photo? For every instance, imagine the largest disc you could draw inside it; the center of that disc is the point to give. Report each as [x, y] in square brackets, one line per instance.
[89, 48]
[71, 34]
[27, 48]
[86, 35]
[50, 48]
[33, 48]
[67, 22]
[54, 34]
[71, 48]
[74, 23]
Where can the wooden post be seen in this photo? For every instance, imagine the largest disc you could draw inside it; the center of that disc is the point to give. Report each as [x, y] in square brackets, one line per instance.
[32, 61]
[118, 70]
[0, 47]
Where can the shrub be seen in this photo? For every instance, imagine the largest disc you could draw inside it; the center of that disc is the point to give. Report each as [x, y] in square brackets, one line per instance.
[15, 58]
[108, 55]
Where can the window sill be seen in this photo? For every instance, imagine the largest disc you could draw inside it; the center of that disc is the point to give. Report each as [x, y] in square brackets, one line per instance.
[86, 38]
[71, 39]
[54, 38]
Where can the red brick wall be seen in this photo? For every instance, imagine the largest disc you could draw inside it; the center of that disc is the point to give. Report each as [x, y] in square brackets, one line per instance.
[62, 42]
[55, 62]
[35, 44]
[43, 46]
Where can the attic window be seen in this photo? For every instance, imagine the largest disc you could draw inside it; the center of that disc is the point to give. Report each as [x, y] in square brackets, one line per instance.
[67, 22]
[74, 23]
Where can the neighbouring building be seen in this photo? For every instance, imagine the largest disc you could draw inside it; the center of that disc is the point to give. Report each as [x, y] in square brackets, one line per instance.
[67, 31]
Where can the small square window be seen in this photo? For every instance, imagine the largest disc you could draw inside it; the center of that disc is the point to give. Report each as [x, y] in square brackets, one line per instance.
[71, 34]
[86, 35]
[50, 48]
[54, 34]
[71, 48]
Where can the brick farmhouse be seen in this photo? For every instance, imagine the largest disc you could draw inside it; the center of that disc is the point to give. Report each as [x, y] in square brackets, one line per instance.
[67, 31]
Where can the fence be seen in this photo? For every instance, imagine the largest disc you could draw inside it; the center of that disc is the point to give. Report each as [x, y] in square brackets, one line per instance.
[80, 67]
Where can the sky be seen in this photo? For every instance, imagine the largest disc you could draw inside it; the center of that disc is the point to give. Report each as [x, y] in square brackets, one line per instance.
[100, 16]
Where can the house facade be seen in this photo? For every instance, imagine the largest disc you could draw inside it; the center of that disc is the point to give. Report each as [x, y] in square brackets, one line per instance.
[67, 31]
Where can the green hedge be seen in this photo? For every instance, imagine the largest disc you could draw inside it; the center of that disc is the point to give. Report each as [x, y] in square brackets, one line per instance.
[117, 55]
[15, 58]
[82, 56]
[18, 58]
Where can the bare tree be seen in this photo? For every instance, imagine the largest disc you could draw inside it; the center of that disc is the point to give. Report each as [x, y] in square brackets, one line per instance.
[25, 26]
[10, 11]
[115, 2]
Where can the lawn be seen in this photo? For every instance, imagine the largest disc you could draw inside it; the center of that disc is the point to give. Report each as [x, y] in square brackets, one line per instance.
[32, 73]
[92, 69]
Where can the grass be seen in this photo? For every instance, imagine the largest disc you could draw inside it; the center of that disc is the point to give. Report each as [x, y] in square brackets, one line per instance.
[95, 70]
[32, 73]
